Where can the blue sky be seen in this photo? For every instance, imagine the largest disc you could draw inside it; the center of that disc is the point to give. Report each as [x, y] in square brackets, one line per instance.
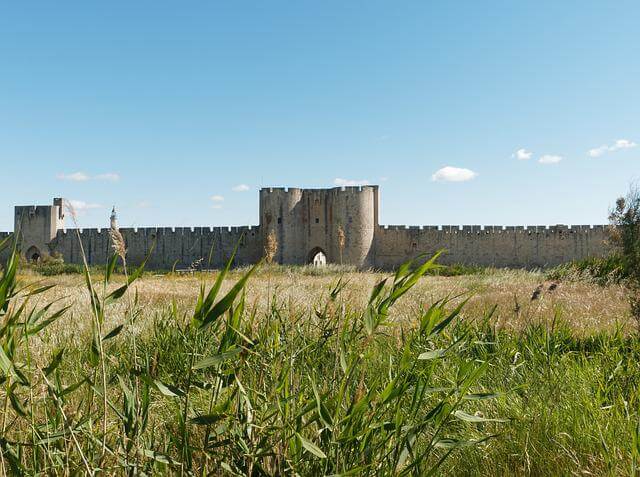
[163, 108]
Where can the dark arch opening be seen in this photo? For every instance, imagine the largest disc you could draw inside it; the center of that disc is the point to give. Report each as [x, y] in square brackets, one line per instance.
[33, 254]
[317, 257]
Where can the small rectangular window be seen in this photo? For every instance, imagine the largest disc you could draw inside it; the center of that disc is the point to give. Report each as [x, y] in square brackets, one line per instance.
[350, 219]
[317, 220]
[279, 220]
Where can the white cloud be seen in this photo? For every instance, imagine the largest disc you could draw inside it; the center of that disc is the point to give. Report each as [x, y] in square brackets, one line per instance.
[80, 207]
[143, 204]
[216, 206]
[616, 146]
[82, 177]
[217, 198]
[522, 154]
[74, 177]
[453, 174]
[549, 159]
[598, 151]
[350, 182]
[240, 188]
[623, 144]
[108, 176]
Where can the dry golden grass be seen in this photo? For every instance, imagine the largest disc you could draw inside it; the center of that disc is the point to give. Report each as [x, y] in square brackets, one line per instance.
[585, 306]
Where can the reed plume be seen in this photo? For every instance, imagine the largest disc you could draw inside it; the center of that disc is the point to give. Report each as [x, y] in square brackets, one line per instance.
[342, 239]
[117, 243]
[270, 247]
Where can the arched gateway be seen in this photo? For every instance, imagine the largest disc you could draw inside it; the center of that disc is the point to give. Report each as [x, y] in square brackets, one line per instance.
[33, 254]
[317, 257]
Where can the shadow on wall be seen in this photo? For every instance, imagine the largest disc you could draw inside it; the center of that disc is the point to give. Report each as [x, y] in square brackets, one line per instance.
[33, 254]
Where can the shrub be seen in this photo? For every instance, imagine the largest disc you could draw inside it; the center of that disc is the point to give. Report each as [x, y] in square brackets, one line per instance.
[625, 233]
[458, 269]
[601, 270]
[51, 265]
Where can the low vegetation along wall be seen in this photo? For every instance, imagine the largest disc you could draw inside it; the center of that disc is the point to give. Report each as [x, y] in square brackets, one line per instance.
[496, 246]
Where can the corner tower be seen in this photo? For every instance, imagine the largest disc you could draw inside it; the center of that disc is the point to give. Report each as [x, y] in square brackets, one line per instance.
[36, 226]
[339, 222]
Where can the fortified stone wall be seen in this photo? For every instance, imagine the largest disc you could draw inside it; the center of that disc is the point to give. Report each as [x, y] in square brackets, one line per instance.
[172, 247]
[306, 222]
[4, 252]
[531, 246]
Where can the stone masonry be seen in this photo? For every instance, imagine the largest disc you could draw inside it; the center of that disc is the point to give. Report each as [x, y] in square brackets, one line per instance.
[341, 223]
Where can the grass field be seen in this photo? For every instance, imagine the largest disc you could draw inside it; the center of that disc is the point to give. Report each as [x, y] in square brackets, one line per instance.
[318, 372]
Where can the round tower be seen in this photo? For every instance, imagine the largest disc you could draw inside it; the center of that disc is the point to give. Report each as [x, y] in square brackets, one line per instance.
[354, 220]
[281, 215]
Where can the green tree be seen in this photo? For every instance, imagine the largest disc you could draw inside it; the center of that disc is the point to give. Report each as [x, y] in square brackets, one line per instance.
[625, 234]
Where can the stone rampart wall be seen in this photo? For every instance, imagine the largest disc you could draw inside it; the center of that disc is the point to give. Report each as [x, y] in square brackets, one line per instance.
[177, 247]
[498, 246]
[4, 252]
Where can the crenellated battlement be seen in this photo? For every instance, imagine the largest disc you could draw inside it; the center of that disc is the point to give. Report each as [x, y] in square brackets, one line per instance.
[340, 222]
[169, 246]
[335, 190]
[470, 229]
[150, 231]
[491, 245]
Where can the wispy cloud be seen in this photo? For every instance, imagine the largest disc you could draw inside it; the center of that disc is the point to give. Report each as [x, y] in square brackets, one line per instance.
[453, 174]
[350, 182]
[240, 188]
[623, 144]
[81, 207]
[73, 177]
[598, 151]
[522, 154]
[143, 204]
[108, 176]
[549, 159]
[217, 198]
[82, 177]
[616, 146]
[216, 206]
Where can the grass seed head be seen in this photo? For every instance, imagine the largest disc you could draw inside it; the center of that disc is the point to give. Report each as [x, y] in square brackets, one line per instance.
[270, 247]
[117, 243]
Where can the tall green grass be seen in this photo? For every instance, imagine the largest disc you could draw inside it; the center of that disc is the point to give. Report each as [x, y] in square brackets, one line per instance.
[601, 270]
[324, 390]
[227, 391]
[573, 402]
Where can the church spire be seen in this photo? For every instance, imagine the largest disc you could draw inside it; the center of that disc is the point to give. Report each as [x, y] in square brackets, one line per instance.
[114, 218]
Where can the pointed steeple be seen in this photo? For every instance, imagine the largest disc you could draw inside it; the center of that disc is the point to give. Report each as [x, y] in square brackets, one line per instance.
[114, 218]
